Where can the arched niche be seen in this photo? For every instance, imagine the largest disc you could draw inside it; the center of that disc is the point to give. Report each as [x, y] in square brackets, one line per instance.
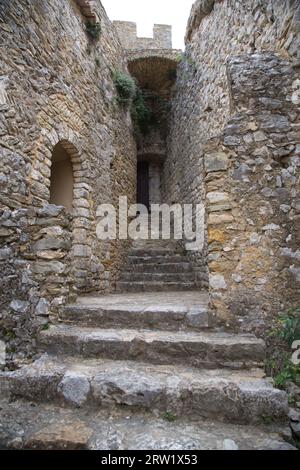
[62, 178]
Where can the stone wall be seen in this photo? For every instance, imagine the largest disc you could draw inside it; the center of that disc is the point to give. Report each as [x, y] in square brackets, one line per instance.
[209, 150]
[252, 182]
[56, 85]
[127, 31]
[36, 273]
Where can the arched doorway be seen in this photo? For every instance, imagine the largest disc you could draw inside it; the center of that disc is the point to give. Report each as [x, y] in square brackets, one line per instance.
[61, 179]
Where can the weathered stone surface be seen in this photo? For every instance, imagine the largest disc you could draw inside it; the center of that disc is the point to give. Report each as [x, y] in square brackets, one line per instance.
[74, 388]
[45, 268]
[215, 197]
[19, 306]
[229, 444]
[60, 436]
[232, 143]
[245, 113]
[217, 282]
[124, 431]
[224, 394]
[42, 308]
[174, 311]
[216, 219]
[160, 347]
[216, 162]
[78, 111]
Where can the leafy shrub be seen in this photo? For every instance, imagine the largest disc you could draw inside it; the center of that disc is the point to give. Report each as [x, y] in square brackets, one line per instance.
[285, 330]
[141, 114]
[288, 325]
[290, 373]
[93, 30]
[129, 94]
[126, 87]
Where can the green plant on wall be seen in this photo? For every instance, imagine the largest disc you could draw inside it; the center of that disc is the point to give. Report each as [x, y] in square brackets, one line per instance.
[125, 86]
[287, 326]
[93, 30]
[285, 330]
[141, 114]
[130, 95]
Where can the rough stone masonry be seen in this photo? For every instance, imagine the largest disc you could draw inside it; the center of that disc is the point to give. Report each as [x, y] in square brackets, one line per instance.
[234, 144]
[229, 136]
[142, 345]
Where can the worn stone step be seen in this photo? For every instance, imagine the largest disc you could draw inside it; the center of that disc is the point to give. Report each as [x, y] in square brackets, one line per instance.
[155, 252]
[157, 259]
[197, 349]
[175, 311]
[50, 427]
[159, 244]
[234, 396]
[157, 277]
[183, 267]
[134, 286]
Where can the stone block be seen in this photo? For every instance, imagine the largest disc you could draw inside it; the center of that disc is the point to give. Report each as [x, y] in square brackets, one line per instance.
[217, 282]
[216, 162]
[216, 219]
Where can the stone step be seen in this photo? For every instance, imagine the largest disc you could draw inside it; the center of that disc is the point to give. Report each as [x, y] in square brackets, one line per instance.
[197, 349]
[173, 313]
[163, 252]
[157, 277]
[157, 259]
[50, 427]
[134, 286]
[233, 396]
[183, 267]
[157, 245]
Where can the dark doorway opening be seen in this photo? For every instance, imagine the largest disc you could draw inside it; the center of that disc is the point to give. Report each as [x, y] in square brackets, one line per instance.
[143, 183]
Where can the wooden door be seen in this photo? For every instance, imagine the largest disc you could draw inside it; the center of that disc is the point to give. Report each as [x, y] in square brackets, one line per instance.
[143, 183]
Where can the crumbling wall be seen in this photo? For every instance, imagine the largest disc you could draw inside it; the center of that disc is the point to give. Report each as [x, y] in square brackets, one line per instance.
[56, 85]
[209, 149]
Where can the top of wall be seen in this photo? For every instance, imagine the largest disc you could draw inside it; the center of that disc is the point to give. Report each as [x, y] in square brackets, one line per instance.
[275, 10]
[200, 9]
[127, 31]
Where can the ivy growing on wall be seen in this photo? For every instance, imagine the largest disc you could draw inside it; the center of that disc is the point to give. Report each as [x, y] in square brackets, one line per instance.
[131, 96]
[141, 114]
[285, 330]
[93, 30]
[126, 88]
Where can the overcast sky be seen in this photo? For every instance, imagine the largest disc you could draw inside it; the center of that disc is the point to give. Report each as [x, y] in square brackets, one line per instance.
[147, 12]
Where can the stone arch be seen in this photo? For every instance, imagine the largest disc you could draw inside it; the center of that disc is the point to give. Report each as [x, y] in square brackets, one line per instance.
[82, 210]
[81, 216]
[154, 71]
[61, 178]
[80, 175]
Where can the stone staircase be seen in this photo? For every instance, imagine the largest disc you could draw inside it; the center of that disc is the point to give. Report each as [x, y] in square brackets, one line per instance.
[157, 266]
[142, 371]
